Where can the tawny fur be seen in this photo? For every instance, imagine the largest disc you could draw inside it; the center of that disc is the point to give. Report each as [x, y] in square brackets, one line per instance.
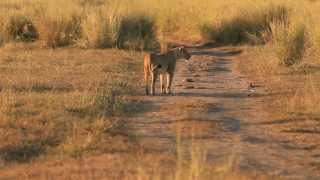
[163, 65]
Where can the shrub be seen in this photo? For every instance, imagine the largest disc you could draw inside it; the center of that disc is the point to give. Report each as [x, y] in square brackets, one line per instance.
[63, 31]
[244, 26]
[97, 31]
[136, 32]
[20, 28]
[1, 37]
[207, 32]
[290, 43]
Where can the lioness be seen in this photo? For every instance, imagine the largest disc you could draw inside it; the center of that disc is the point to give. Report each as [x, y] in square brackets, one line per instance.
[163, 64]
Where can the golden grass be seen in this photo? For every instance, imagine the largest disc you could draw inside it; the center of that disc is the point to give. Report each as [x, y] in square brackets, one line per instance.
[249, 25]
[296, 88]
[174, 19]
[61, 101]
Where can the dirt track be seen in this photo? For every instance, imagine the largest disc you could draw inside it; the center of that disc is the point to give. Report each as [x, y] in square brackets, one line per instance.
[211, 110]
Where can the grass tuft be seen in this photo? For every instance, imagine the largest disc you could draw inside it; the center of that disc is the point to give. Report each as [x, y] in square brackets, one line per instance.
[243, 26]
[97, 31]
[20, 28]
[63, 31]
[136, 31]
[289, 42]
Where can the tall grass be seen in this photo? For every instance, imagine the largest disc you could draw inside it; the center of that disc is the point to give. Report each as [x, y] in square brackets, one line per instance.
[98, 23]
[290, 42]
[20, 28]
[63, 32]
[136, 31]
[97, 32]
[247, 25]
[95, 24]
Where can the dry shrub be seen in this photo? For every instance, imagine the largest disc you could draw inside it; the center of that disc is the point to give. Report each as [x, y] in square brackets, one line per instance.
[20, 28]
[244, 26]
[97, 31]
[2, 34]
[62, 31]
[289, 42]
[136, 31]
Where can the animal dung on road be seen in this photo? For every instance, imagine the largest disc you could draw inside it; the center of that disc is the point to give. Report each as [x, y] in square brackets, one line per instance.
[188, 80]
[189, 87]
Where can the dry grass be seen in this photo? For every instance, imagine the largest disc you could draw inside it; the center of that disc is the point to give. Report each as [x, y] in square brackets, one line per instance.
[136, 32]
[97, 23]
[190, 162]
[287, 63]
[289, 42]
[249, 25]
[295, 88]
[64, 102]
[61, 101]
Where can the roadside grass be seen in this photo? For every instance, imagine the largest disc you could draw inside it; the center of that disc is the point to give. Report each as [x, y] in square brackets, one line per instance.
[62, 101]
[136, 32]
[290, 42]
[101, 23]
[287, 64]
[65, 102]
[62, 32]
[294, 88]
[97, 31]
[248, 25]
[20, 28]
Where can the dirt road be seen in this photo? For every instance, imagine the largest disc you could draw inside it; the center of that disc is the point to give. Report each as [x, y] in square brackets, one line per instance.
[211, 110]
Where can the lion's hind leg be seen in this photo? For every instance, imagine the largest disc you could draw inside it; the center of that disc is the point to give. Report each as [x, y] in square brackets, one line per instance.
[146, 79]
[162, 84]
[153, 82]
[169, 82]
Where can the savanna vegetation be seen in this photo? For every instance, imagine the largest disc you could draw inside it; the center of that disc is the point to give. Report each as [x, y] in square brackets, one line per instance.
[62, 91]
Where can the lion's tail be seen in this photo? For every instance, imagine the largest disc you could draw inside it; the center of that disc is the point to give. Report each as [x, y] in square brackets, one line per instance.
[147, 71]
